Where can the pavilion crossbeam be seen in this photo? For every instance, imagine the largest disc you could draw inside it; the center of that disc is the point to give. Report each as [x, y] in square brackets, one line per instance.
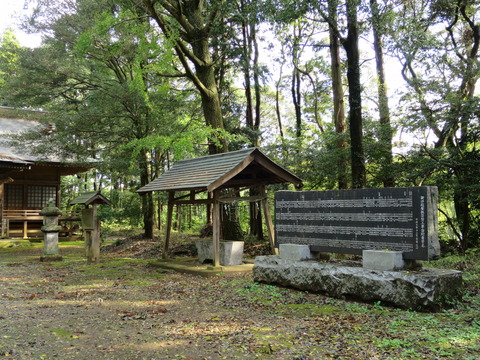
[190, 199]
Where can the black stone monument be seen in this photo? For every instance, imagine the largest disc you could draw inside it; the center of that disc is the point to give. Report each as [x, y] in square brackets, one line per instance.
[350, 221]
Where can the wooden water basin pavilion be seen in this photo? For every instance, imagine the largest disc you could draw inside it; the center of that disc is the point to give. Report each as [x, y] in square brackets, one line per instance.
[222, 177]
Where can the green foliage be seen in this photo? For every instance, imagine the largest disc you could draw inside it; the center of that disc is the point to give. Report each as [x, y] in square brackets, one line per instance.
[125, 211]
[180, 145]
[9, 57]
[116, 90]
[317, 163]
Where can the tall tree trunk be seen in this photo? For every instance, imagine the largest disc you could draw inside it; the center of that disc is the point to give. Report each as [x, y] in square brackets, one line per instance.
[246, 53]
[256, 81]
[212, 109]
[147, 199]
[192, 46]
[255, 212]
[277, 104]
[338, 100]
[385, 133]
[296, 83]
[355, 97]
[250, 58]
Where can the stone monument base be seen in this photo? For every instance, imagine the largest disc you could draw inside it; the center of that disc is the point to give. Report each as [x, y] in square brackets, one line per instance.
[47, 258]
[416, 290]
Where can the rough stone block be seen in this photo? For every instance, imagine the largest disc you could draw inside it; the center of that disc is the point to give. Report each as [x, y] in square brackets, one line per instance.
[50, 243]
[382, 260]
[204, 250]
[425, 289]
[294, 252]
[231, 252]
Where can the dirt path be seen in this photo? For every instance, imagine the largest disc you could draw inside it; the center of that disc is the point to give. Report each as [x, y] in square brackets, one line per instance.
[127, 309]
[122, 309]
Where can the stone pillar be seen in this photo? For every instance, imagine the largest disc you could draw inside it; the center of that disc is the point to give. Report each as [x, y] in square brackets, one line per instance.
[50, 231]
[91, 228]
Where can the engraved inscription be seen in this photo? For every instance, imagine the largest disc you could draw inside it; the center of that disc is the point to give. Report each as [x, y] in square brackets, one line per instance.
[384, 217]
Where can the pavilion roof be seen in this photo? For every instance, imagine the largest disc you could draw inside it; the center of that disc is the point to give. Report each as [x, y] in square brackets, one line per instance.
[242, 168]
[89, 198]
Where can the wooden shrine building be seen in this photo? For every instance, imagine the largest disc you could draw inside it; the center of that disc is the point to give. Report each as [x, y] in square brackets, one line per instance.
[222, 177]
[28, 182]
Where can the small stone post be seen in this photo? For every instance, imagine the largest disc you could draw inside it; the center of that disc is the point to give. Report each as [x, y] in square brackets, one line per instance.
[90, 223]
[50, 231]
[91, 228]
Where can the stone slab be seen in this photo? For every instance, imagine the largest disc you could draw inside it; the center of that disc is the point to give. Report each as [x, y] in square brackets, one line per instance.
[294, 252]
[191, 266]
[417, 290]
[383, 260]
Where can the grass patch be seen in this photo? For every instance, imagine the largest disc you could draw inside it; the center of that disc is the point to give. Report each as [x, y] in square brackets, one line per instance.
[64, 333]
[5, 244]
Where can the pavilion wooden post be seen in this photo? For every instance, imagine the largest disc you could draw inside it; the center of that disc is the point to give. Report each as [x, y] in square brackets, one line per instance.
[216, 229]
[268, 219]
[171, 197]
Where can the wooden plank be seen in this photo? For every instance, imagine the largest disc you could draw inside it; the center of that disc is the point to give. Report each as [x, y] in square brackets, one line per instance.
[192, 193]
[230, 174]
[92, 239]
[268, 221]
[216, 229]
[24, 218]
[189, 202]
[95, 236]
[244, 198]
[171, 196]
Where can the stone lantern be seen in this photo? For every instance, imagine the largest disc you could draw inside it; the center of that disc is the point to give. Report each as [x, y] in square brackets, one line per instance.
[50, 231]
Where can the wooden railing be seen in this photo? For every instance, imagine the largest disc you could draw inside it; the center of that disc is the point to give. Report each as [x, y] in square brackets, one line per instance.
[32, 216]
[22, 214]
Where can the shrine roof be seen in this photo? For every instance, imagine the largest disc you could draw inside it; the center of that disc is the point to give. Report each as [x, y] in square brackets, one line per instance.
[242, 168]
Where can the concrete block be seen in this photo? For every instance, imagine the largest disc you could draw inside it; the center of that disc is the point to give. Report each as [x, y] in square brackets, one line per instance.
[294, 252]
[383, 260]
[231, 252]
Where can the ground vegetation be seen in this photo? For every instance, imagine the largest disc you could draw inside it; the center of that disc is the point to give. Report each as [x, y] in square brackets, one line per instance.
[125, 307]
